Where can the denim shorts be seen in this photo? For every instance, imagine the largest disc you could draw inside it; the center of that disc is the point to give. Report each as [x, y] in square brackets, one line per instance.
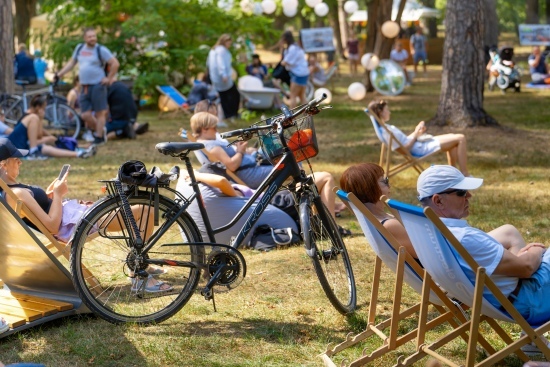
[93, 97]
[419, 56]
[532, 299]
[300, 80]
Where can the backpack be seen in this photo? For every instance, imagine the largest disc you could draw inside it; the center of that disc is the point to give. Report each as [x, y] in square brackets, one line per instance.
[66, 142]
[105, 66]
[266, 238]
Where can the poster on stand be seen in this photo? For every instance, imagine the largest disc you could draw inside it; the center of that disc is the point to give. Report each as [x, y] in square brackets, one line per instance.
[317, 39]
[534, 34]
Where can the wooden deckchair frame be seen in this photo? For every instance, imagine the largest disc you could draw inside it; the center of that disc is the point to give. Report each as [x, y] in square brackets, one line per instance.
[386, 152]
[482, 281]
[448, 310]
[168, 99]
[211, 158]
[54, 246]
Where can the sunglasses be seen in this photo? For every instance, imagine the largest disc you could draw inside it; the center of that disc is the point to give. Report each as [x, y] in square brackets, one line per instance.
[459, 193]
[386, 181]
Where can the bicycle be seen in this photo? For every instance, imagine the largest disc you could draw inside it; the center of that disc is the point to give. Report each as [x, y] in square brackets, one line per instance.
[60, 118]
[103, 261]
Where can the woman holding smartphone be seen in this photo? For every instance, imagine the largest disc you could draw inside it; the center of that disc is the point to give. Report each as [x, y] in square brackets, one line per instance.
[59, 216]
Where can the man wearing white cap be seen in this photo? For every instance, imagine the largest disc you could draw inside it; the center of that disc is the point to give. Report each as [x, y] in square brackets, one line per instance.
[522, 272]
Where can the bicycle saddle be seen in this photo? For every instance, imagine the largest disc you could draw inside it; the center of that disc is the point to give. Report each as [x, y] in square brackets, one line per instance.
[175, 149]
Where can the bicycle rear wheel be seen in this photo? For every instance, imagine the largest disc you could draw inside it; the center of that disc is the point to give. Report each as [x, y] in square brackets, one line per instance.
[328, 253]
[102, 262]
[13, 109]
[61, 119]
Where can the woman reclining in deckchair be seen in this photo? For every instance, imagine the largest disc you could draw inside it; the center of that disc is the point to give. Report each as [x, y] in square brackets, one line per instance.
[59, 217]
[368, 182]
[453, 144]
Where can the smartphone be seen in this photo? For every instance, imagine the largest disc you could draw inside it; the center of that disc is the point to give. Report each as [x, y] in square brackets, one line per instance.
[64, 170]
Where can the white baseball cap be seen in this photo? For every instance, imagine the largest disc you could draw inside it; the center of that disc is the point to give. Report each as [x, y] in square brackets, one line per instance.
[437, 179]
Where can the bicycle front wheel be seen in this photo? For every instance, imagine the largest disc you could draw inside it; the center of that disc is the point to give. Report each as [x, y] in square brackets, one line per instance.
[103, 264]
[61, 119]
[13, 109]
[328, 253]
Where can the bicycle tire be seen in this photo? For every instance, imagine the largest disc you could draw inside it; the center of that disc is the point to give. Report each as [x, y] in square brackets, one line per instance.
[67, 122]
[13, 109]
[328, 254]
[99, 266]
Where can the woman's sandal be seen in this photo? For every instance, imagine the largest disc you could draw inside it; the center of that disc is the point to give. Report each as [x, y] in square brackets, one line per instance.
[4, 326]
[344, 232]
[156, 271]
[137, 285]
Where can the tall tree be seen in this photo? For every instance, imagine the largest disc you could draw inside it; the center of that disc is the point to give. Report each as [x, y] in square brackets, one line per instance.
[491, 23]
[461, 98]
[24, 11]
[532, 10]
[6, 45]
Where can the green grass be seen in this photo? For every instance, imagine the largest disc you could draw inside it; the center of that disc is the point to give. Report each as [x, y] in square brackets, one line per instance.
[279, 316]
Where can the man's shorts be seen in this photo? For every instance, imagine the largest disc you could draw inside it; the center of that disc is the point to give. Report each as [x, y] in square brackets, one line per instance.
[419, 56]
[93, 97]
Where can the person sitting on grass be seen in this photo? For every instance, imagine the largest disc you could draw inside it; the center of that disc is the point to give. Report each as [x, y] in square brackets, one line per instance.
[57, 215]
[369, 182]
[453, 144]
[30, 134]
[5, 130]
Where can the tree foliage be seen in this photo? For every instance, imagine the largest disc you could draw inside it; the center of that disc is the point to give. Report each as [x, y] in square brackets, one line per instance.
[134, 30]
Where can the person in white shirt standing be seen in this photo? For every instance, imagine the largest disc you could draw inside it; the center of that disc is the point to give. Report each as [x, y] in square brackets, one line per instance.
[401, 56]
[294, 60]
[94, 60]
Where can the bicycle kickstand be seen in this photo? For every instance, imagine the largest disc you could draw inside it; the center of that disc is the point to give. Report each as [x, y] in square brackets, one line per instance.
[208, 293]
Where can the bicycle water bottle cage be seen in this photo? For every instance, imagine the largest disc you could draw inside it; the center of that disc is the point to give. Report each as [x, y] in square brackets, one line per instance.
[135, 173]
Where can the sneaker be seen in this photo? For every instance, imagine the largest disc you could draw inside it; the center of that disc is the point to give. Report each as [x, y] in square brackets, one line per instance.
[142, 128]
[129, 132]
[88, 136]
[36, 156]
[87, 153]
[100, 140]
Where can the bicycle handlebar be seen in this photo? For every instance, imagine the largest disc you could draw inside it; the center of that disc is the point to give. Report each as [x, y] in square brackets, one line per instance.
[288, 115]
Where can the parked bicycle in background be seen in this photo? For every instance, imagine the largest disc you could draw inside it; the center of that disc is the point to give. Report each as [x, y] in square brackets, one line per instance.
[60, 119]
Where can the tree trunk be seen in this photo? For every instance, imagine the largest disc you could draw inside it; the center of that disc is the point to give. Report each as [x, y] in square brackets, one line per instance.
[24, 11]
[432, 22]
[461, 98]
[547, 11]
[491, 23]
[532, 12]
[334, 21]
[6, 45]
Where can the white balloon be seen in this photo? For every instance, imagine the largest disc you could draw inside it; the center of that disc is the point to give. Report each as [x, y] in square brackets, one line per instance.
[319, 92]
[312, 3]
[247, 6]
[370, 61]
[357, 91]
[321, 9]
[290, 4]
[257, 9]
[390, 29]
[269, 6]
[290, 12]
[225, 4]
[351, 6]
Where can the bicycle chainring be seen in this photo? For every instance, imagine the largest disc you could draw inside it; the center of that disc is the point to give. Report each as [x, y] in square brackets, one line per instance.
[229, 264]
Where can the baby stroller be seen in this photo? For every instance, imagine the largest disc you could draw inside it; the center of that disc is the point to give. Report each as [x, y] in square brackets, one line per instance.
[503, 72]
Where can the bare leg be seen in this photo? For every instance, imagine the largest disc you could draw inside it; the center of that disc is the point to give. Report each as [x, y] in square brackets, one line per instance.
[509, 237]
[100, 117]
[89, 120]
[325, 182]
[56, 152]
[294, 92]
[458, 142]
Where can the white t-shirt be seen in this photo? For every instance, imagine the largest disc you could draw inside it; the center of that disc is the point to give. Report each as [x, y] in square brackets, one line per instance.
[399, 56]
[296, 60]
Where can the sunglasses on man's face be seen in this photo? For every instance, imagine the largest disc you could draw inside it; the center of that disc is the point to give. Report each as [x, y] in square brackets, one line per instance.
[459, 193]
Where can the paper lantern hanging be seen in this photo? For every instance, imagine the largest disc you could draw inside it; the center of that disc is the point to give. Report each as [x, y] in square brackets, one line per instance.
[257, 9]
[319, 92]
[351, 6]
[290, 12]
[321, 9]
[225, 4]
[247, 6]
[290, 4]
[370, 61]
[312, 3]
[357, 91]
[390, 29]
[269, 6]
